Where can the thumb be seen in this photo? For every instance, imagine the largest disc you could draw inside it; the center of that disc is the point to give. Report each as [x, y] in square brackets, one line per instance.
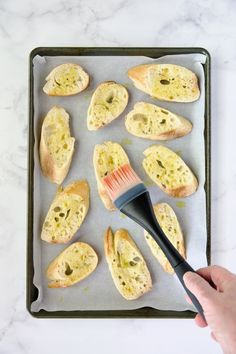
[199, 287]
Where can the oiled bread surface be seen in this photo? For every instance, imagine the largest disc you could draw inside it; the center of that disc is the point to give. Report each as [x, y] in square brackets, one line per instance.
[66, 213]
[107, 103]
[166, 82]
[56, 145]
[149, 121]
[72, 265]
[65, 80]
[169, 171]
[126, 264]
[107, 157]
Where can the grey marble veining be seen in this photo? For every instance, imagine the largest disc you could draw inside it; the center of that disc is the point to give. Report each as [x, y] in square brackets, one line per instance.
[27, 24]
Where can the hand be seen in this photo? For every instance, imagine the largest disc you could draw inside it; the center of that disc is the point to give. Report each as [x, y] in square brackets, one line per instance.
[219, 303]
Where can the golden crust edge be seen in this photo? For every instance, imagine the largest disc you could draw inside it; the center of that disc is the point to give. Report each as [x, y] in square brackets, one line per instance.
[48, 166]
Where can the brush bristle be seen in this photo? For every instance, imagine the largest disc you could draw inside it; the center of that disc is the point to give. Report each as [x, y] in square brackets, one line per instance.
[120, 181]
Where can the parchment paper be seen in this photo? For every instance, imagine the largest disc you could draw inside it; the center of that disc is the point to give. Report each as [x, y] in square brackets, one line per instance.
[98, 292]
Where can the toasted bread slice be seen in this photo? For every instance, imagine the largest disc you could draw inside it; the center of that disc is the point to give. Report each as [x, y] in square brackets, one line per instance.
[169, 223]
[108, 102]
[56, 145]
[166, 82]
[169, 171]
[107, 157]
[66, 213]
[149, 121]
[126, 264]
[72, 265]
[65, 80]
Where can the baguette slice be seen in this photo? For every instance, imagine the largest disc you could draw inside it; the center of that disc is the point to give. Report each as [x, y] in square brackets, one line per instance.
[72, 265]
[126, 264]
[169, 223]
[155, 123]
[169, 171]
[166, 82]
[108, 102]
[106, 158]
[65, 80]
[66, 213]
[56, 145]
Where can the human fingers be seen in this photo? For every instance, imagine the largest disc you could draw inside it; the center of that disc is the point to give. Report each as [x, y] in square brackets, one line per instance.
[217, 276]
[199, 287]
[198, 318]
[200, 321]
[213, 336]
[187, 298]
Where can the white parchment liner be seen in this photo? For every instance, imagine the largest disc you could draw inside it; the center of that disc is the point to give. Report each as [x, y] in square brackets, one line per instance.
[97, 292]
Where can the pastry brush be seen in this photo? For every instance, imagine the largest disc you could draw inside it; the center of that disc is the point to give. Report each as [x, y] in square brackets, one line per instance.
[132, 198]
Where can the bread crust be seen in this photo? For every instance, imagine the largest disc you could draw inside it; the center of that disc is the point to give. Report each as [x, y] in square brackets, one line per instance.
[143, 80]
[184, 191]
[73, 256]
[105, 197]
[179, 192]
[78, 188]
[138, 75]
[177, 239]
[50, 169]
[121, 265]
[96, 119]
[154, 115]
[51, 86]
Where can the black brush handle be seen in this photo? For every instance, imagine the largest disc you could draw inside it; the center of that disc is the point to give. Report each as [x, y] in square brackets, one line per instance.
[180, 270]
[141, 211]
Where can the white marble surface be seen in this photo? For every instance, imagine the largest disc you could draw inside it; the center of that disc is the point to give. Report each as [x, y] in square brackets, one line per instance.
[27, 24]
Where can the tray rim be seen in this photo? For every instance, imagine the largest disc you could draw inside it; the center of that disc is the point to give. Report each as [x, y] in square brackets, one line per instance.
[31, 290]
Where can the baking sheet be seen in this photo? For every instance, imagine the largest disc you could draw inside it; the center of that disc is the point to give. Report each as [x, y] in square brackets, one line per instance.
[97, 292]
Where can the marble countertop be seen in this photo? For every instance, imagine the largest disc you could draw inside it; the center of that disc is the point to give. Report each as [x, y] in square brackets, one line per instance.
[27, 24]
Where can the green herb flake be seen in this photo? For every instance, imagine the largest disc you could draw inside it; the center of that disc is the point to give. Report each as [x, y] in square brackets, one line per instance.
[181, 204]
[126, 142]
[179, 152]
[149, 183]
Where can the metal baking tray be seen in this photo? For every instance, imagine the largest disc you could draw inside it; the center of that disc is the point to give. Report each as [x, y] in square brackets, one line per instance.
[32, 292]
